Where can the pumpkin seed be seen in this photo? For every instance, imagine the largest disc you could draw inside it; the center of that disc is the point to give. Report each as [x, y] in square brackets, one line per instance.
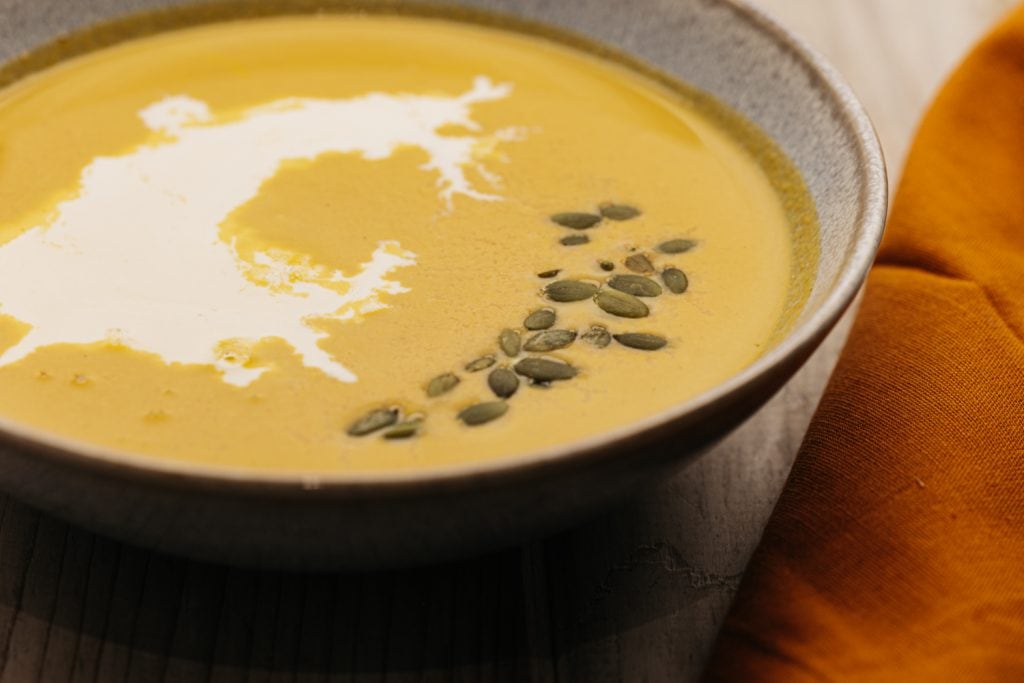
[503, 382]
[545, 369]
[547, 274]
[442, 384]
[570, 290]
[509, 342]
[678, 246]
[576, 220]
[621, 304]
[404, 430]
[606, 266]
[482, 413]
[573, 240]
[372, 421]
[481, 363]
[675, 280]
[637, 285]
[642, 341]
[550, 340]
[598, 336]
[541, 319]
[639, 263]
[619, 212]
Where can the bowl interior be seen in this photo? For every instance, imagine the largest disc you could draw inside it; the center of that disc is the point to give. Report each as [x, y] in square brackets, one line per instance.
[723, 47]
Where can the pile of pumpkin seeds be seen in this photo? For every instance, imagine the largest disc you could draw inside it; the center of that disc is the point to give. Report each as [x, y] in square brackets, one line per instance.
[620, 294]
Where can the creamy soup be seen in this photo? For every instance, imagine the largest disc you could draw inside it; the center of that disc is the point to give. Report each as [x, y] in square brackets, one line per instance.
[367, 242]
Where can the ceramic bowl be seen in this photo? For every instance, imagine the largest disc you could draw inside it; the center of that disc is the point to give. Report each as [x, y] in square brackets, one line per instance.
[331, 521]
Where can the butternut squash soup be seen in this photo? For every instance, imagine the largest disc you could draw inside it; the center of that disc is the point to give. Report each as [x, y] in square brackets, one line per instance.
[346, 242]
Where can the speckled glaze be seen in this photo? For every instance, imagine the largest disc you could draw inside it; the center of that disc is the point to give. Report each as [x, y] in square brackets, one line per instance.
[346, 521]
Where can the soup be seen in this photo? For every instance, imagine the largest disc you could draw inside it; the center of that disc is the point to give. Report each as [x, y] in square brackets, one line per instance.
[361, 243]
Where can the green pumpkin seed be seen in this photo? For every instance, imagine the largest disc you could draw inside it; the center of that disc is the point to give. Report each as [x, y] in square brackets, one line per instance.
[642, 341]
[679, 246]
[404, 430]
[598, 336]
[503, 382]
[482, 413]
[621, 304]
[372, 421]
[573, 240]
[545, 369]
[675, 280]
[606, 266]
[619, 212]
[442, 384]
[481, 363]
[550, 340]
[637, 285]
[639, 263]
[509, 342]
[547, 274]
[565, 291]
[541, 319]
[576, 220]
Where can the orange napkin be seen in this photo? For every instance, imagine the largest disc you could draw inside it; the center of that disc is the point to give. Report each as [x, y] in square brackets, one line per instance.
[896, 552]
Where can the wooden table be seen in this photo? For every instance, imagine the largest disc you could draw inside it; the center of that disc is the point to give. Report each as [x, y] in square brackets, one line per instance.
[636, 595]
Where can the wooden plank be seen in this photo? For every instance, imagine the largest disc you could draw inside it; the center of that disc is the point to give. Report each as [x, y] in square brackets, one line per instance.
[197, 623]
[235, 627]
[24, 656]
[635, 595]
[69, 590]
[98, 600]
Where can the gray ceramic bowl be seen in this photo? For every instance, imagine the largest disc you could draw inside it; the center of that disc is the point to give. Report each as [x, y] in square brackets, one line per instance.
[348, 521]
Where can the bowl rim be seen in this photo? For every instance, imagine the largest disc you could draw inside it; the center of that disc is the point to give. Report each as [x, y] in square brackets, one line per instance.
[802, 338]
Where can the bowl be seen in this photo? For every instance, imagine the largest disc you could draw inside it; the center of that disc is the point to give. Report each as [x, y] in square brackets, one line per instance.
[358, 521]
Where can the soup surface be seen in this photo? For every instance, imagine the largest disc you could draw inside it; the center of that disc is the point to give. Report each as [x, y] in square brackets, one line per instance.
[278, 243]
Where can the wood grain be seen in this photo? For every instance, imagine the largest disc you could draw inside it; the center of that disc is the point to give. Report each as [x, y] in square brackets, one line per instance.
[635, 595]
[895, 53]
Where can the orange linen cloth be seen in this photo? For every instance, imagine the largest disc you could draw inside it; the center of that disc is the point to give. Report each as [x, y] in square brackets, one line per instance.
[896, 552]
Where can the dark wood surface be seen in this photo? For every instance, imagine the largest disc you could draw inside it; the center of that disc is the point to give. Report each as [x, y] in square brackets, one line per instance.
[635, 595]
